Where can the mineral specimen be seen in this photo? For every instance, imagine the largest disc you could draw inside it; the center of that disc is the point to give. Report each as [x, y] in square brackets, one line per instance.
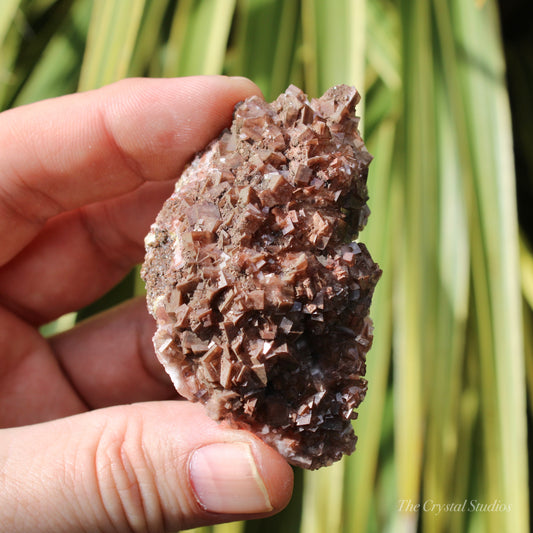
[260, 294]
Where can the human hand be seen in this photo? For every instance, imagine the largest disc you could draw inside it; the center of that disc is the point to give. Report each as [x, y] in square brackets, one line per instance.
[81, 179]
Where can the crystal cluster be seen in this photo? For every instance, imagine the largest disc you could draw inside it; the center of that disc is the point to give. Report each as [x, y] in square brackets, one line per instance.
[260, 294]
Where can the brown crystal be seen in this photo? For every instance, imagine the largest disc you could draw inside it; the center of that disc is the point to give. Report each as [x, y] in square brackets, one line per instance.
[260, 294]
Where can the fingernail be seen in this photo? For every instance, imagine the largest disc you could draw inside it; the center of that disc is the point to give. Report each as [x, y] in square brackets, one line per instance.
[225, 479]
[249, 82]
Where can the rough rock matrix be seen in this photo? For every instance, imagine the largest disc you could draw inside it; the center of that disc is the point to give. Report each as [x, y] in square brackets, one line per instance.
[260, 296]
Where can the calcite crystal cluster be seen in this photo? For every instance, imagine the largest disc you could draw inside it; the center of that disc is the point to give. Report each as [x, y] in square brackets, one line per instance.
[260, 294]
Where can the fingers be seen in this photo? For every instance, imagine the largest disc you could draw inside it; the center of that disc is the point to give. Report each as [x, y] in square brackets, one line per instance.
[80, 255]
[33, 387]
[61, 154]
[109, 359]
[146, 467]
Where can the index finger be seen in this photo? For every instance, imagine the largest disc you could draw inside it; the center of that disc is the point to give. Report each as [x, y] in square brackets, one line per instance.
[67, 152]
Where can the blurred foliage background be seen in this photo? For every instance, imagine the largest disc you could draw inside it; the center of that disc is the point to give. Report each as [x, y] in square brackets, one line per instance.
[445, 421]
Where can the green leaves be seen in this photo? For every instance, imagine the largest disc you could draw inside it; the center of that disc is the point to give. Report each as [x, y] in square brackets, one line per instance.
[110, 42]
[495, 256]
[444, 420]
[9, 42]
[198, 38]
[334, 43]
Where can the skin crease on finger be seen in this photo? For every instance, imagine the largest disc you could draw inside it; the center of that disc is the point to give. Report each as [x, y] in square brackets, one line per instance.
[124, 467]
[123, 334]
[124, 473]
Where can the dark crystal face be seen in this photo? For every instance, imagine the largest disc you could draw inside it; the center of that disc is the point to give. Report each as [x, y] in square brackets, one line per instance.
[260, 294]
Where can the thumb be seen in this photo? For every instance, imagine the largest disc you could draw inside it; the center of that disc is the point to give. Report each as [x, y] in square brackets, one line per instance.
[145, 467]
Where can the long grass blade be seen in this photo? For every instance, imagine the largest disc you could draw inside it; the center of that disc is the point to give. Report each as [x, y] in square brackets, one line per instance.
[110, 42]
[198, 38]
[284, 56]
[322, 500]
[146, 55]
[526, 269]
[12, 21]
[468, 418]
[452, 304]
[230, 527]
[383, 43]
[498, 284]
[8, 8]
[59, 65]
[174, 47]
[58, 326]
[10, 38]
[528, 350]
[414, 313]
[361, 467]
[334, 54]
[334, 43]
[34, 26]
[264, 43]
[452, 296]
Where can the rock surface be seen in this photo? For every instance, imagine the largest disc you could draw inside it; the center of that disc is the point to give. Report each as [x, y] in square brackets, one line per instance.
[260, 294]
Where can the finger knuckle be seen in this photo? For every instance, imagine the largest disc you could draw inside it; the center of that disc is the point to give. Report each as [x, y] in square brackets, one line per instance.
[126, 481]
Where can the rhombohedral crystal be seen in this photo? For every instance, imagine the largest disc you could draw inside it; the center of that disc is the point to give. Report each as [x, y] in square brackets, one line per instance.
[260, 292]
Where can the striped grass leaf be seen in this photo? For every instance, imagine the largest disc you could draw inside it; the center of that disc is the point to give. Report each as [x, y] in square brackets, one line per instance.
[198, 38]
[414, 311]
[361, 467]
[323, 499]
[173, 48]
[495, 261]
[384, 105]
[146, 58]
[58, 326]
[452, 312]
[25, 34]
[489, 412]
[334, 53]
[449, 441]
[382, 44]
[334, 43]
[59, 65]
[264, 44]
[8, 9]
[230, 527]
[10, 38]
[469, 401]
[467, 432]
[285, 58]
[110, 42]
[526, 270]
[443, 444]
[386, 503]
[296, 74]
[528, 350]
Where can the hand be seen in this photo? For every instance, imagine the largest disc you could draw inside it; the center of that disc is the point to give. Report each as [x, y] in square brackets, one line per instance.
[81, 179]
